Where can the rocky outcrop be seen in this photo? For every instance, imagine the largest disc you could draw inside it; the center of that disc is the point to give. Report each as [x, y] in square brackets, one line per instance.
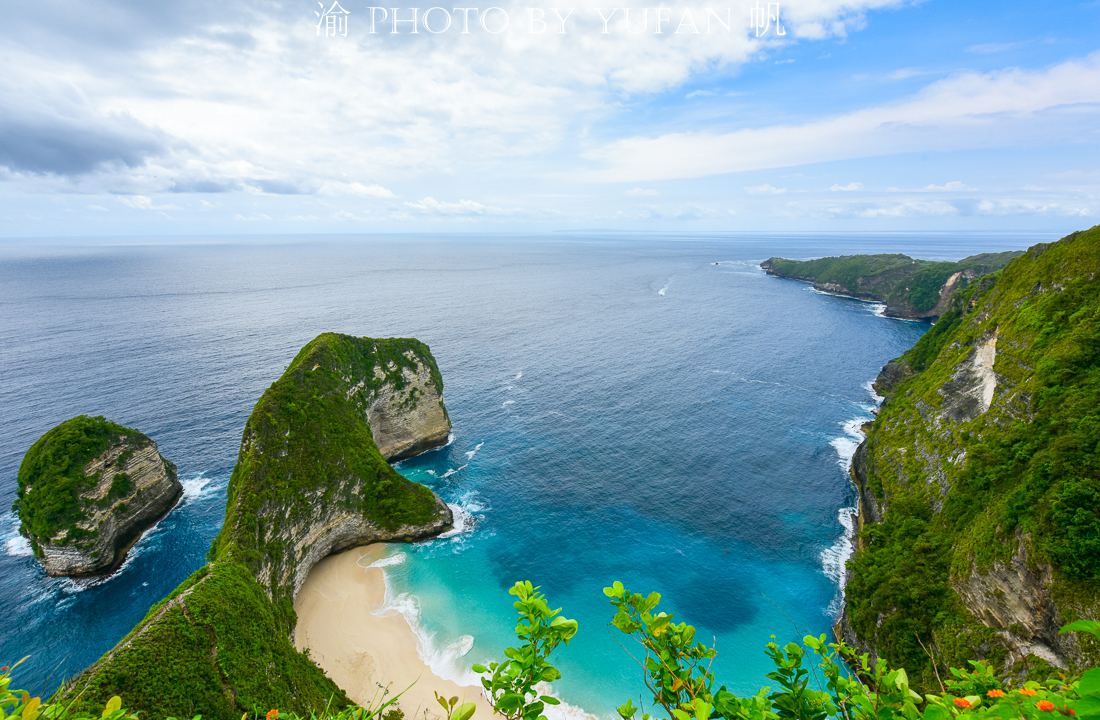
[83, 517]
[313, 478]
[116, 524]
[1014, 599]
[407, 418]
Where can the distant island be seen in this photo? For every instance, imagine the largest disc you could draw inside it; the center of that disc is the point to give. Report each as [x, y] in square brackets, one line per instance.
[910, 289]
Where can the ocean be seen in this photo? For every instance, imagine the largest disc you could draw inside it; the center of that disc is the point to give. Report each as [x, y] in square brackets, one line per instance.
[649, 409]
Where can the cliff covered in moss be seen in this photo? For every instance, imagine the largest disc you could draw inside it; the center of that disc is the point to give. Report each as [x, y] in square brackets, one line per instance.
[310, 480]
[88, 489]
[980, 478]
[911, 289]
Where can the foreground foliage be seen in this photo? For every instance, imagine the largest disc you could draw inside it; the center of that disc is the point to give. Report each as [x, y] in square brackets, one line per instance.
[812, 680]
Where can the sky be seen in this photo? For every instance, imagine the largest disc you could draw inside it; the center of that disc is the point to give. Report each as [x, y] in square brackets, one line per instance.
[195, 117]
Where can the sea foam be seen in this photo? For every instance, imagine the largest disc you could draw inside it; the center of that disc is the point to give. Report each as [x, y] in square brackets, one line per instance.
[834, 559]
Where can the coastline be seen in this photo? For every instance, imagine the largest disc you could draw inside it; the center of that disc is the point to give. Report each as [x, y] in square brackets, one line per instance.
[362, 652]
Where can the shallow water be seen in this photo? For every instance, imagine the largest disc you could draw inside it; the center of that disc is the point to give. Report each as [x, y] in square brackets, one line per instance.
[624, 409]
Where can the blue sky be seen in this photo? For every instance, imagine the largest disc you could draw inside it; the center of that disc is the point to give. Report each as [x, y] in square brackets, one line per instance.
[200, 117]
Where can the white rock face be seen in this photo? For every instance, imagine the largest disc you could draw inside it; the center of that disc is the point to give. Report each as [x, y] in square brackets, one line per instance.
[411, 419]
[119, 522]
[969, 393]
[1015, 600]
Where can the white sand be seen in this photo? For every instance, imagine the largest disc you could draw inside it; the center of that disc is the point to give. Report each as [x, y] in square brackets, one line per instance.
[361, 651]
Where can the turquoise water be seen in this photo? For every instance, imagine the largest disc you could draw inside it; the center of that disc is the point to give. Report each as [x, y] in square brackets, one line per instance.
[624, 408]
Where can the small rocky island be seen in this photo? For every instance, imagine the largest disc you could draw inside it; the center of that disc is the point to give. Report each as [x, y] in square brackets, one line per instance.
[88, 490]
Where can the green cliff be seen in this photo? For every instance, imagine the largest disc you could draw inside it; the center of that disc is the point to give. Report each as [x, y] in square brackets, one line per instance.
[911, 289]
[310, 480]
[87, 491]
[980, 478]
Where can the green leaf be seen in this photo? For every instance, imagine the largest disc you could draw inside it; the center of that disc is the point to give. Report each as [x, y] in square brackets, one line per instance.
[549, 699]
[30, 712]
[1086, 707]
[936, 712]
[112, 706]
[509, 701]
[464, 711]
[479, 669]
[1090, 683]
[1090, 626]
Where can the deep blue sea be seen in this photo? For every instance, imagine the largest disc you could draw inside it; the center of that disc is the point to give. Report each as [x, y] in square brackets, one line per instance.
[652, 409]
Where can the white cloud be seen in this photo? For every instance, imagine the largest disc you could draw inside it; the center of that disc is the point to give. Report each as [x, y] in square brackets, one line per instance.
[642, 192]
[700, 93]
[432, 206]
[764, 189]
[954, 185]
[911, 208]
[967, 110]
[141, 202]
[847, 188]
[1014, 206]
[334, 187]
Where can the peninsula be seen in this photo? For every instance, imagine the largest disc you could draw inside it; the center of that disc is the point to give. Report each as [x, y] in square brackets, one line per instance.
[309, 481]
[910, 289]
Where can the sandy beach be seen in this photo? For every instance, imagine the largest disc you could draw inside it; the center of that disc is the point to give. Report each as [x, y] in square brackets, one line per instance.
[363, 652]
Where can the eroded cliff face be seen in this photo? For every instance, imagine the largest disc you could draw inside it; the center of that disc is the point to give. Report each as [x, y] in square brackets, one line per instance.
[115, 521]
[407, 418]
[978, 463]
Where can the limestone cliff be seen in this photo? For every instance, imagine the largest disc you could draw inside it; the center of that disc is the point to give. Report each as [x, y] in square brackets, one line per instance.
[911, 289]
[310, 480]
[88, 489]
[980, 479]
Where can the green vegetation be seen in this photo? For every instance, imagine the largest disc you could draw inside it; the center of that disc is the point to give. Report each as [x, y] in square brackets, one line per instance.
[51, 477]
[908, 287]
[308, 436]
[962, 491]
[511, 684]
[216, 646]
[219, 644]
[677, 670]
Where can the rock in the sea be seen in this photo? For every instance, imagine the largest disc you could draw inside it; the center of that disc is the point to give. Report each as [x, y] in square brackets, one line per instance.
[88, 489]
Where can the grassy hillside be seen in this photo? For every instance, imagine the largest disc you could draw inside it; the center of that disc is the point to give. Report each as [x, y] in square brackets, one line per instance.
[969, 490]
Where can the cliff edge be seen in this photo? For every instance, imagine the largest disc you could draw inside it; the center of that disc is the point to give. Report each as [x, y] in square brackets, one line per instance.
[88, 490]
[310, 480]
[980, 478]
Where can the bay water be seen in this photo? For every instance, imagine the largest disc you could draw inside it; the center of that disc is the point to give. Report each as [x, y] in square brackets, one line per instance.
[649, 409]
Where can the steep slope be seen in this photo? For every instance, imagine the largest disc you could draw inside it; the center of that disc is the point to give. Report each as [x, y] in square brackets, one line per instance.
[309, 481]
[980, 478]
[912, 289]
[88, 489]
